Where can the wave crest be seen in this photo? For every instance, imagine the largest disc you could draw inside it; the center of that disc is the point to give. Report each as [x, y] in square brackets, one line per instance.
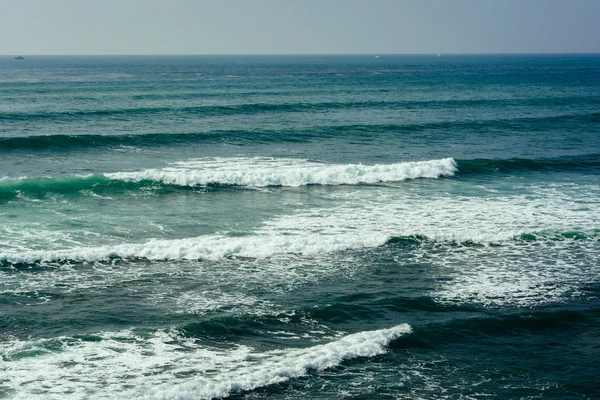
[262, 172]
[280, 366]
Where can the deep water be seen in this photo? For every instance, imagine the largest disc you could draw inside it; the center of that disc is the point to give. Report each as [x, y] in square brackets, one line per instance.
[296, 227]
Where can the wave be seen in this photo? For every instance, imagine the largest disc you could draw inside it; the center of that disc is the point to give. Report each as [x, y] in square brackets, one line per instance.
[70, 142]
[280, 366]
[107, 357]
[475, 328]
[539, 236]
[199, 110]
[200, 248]
[262, 246]
[73, 142]
[246, 172]
[484, 166]
[290, 107]
[265, 172]
[205, 110]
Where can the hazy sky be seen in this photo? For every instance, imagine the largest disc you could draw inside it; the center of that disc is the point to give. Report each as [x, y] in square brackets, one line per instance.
[297, 26]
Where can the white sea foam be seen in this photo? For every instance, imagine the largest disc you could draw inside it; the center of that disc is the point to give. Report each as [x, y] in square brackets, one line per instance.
[204, 301]
[203, 248]
[513, 276]
[164, 365]
[262, 172]
[103, 365]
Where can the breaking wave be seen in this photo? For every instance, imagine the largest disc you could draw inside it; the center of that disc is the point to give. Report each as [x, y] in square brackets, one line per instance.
[261, 246]
[250, 172]
[262, 172]
[105, 358]
[201, 248]
[280, 366]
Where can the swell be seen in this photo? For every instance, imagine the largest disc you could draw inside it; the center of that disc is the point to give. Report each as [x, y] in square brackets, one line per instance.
[99, 185]
[70, 142]
[587, 162]
[368, 307]
[532, 323]
[207, 111]
[260, 108]
[12, 188]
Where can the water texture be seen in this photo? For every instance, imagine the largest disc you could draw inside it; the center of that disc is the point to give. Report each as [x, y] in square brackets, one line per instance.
[292, 227]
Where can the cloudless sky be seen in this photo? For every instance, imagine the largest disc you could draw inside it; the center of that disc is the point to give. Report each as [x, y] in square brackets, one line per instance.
[298, 26]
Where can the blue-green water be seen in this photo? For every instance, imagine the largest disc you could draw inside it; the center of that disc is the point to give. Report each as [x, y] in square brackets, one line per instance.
[300, 227]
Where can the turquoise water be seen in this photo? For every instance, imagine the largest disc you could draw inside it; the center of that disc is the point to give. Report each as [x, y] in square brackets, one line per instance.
[300, 227]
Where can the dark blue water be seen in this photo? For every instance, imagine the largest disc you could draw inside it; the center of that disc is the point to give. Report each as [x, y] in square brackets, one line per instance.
[300, 227]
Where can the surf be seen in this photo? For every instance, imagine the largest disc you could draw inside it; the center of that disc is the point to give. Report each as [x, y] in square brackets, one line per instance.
[240, 369]
[233, 172]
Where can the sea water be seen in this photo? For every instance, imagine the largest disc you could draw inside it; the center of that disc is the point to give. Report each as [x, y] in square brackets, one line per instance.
[296, 227]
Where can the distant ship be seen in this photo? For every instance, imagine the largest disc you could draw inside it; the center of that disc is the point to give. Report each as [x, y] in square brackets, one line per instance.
[19, 58]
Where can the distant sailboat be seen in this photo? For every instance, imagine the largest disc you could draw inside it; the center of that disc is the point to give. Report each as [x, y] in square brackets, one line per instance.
[439, 54]
[376, 56]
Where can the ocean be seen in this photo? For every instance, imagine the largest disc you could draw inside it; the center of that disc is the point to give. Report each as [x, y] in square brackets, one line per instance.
[300, 227]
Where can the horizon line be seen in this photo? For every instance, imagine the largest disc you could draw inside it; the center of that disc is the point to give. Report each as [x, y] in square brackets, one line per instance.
[298, 54]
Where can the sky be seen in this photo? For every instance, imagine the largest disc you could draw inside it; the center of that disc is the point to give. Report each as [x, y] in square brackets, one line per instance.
[298, 26]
